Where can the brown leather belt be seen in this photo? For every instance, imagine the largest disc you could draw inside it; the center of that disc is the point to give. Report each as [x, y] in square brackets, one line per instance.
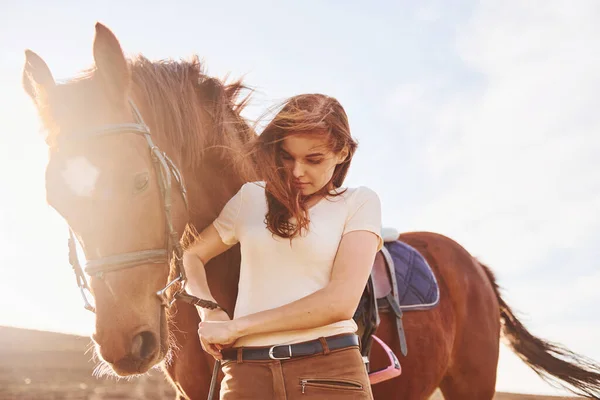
[287, 351]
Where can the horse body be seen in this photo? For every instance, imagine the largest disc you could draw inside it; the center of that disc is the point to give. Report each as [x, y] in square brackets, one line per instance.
[194, 120]
[455, 345]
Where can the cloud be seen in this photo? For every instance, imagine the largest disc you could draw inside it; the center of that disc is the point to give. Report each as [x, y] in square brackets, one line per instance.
[428, 13]
[511, 150]
[514, 156]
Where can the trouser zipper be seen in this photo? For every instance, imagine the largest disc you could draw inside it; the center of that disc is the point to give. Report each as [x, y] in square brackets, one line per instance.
[330, 382]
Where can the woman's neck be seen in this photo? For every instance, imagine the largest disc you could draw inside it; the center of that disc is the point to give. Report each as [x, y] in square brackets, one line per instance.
[314, 198]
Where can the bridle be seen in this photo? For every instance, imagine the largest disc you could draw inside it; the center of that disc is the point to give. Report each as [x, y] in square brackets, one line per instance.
[172, 252]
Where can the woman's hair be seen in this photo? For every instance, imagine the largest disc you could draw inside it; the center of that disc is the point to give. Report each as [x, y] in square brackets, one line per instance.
[314, 114]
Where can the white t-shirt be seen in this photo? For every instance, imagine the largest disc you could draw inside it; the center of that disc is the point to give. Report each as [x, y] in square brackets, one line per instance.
[275, 272]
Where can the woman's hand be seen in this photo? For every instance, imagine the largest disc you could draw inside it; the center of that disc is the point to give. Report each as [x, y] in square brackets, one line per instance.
[218, 332]
[215, 332]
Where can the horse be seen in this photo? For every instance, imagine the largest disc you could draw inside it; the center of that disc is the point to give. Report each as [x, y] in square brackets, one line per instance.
[140, 151]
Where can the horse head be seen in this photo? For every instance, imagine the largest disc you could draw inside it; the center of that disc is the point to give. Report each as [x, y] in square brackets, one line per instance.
[116, 135]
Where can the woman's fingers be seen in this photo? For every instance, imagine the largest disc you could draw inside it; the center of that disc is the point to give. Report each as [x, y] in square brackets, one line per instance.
[211, 349]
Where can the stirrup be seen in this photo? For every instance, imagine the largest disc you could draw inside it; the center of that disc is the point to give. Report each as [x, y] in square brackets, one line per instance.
[391, 371]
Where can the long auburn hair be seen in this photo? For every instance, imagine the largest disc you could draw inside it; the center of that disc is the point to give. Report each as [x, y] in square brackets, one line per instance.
[316, 114]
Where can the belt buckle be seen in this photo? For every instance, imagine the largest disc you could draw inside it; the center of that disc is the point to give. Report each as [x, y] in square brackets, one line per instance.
[272, 356]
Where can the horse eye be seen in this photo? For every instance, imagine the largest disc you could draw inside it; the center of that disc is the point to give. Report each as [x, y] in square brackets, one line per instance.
[141, 181]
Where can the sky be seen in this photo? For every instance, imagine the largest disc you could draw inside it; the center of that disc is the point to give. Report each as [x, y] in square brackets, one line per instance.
[476, 119]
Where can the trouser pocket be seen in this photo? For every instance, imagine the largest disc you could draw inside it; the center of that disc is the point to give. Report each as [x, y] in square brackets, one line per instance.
[333, 384]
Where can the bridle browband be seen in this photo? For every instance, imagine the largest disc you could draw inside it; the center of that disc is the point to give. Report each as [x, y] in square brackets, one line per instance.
[165, 169]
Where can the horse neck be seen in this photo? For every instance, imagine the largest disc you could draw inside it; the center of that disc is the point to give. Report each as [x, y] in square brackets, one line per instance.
[213, 180]
[208, 175]
[210, 185]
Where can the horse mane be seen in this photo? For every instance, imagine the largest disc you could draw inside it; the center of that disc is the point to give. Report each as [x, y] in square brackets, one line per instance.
[196, 114]
[178, 94]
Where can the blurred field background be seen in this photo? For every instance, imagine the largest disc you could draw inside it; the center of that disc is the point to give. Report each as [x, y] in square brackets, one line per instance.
[48, 365]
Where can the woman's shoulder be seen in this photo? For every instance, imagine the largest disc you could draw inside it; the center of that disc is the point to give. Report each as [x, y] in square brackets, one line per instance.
[358, 194]
[255, 187]
[250, 191]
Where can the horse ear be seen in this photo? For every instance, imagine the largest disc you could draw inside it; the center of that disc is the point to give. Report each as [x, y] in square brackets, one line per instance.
[110, 61]
[36, 75]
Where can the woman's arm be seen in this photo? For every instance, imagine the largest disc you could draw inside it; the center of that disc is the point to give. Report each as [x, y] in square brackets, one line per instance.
[336, 302]
[206, 246]
[215, 239]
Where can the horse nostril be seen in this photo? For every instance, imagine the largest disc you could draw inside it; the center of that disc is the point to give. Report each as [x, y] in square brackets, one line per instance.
[143, 345]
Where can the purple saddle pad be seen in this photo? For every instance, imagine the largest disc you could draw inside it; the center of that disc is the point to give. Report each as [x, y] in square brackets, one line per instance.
[417, 286]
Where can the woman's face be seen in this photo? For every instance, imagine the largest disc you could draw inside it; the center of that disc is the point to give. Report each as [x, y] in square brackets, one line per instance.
[309, 160]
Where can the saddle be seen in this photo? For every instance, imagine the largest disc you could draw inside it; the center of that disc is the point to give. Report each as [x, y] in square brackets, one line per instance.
[400, 280]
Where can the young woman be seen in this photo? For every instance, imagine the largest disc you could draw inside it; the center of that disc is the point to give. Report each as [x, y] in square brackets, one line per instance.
[307, 249]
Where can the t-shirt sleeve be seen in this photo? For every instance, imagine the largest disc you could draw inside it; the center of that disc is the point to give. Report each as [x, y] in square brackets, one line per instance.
[364, 213]
[226, 222]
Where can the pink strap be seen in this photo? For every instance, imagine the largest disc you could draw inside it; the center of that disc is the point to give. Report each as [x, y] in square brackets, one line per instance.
[391, 371]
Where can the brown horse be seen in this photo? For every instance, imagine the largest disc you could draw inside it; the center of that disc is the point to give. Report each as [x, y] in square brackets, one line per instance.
[100, 178]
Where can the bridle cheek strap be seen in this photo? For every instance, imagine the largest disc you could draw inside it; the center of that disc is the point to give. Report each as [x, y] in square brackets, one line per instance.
[171, 254]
